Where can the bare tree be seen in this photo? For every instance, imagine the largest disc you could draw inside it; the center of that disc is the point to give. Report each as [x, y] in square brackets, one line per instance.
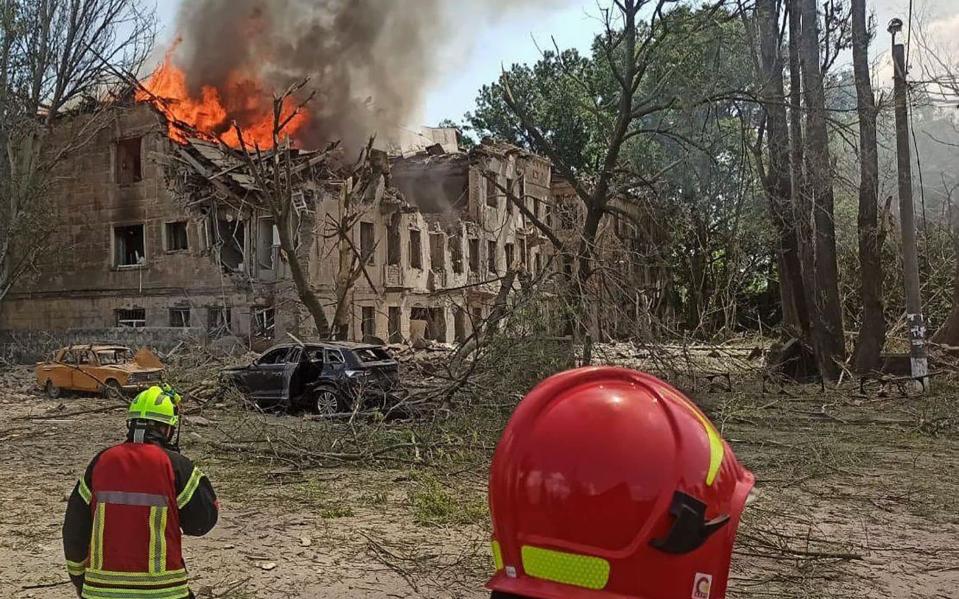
[776, 177]
[872, 329]
[59, 61]
[940, 72]
[280, 173]
[827, 329]
[356, 200]
[629, 48]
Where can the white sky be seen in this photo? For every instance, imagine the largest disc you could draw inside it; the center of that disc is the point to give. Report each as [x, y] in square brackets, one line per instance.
[511, 40]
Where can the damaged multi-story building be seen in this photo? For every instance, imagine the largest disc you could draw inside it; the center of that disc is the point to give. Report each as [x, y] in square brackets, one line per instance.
[139, 246]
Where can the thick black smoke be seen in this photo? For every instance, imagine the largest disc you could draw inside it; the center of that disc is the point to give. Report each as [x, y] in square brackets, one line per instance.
[371, 62]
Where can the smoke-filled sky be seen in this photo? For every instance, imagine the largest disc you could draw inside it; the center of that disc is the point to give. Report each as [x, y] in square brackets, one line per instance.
[470, 48]
[466, 52]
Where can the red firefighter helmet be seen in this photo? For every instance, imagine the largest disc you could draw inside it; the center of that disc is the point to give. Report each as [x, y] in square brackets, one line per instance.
[608, 483]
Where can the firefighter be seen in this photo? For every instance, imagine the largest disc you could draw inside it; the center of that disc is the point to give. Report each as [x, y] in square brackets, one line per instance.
[609, 483]
[125, 518]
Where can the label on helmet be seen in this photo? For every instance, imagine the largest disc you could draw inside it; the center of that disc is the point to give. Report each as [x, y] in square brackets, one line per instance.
[701, 586]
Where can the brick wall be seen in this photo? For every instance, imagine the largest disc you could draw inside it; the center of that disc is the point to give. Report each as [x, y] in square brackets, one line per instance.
[26, 347]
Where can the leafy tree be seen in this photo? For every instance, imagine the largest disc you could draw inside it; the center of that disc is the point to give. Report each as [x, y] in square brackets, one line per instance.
[559, 108]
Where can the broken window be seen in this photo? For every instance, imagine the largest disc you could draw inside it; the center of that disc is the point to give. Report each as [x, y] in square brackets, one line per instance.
[115, 356]
[267, 240]
[456, 254]
[437, 252]
[510, 188]
[135, 318]
[539, 264]
[367, 243]
[128, 166]
[393, 242]
[523, 252]
[459, 324]
[180, 317]
[176, 239]
[567, 215]
[334, 356]
[369, 322]
[491, 256]
[232, 237]
[521, 195]
[492, 194]
[395, 331]
[264, 322]
[537, 208]
[416, 249]
[128, 245]
[509, 255]
[218, 319]
[204, 233]
[474, 255]
[277, 356]
[435, 319]
[477, 318]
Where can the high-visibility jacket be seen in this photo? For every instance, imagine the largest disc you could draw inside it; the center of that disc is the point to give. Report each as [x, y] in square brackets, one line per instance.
[122, 530]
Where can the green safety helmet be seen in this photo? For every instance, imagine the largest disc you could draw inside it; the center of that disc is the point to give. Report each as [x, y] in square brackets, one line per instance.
[160, 404]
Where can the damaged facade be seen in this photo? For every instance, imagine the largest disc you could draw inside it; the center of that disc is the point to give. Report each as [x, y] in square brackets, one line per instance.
[630, 290]
[139, 244]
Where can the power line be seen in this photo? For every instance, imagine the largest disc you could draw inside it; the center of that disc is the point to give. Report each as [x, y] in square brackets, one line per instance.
[909, 36]
[922, 190]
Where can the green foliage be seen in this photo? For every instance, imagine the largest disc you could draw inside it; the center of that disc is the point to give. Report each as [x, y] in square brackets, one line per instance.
[434, 503]
[524, 352]
[687, 165]
[555, 102]
[332, 512]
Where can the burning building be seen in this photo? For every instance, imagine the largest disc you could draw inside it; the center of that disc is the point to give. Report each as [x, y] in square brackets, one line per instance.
[157, 232]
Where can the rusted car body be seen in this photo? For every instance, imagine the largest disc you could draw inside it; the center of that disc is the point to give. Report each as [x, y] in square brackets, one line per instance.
[106, 369]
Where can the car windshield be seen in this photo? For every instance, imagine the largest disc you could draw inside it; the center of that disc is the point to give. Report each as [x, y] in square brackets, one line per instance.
[113, 356]
[373, 354]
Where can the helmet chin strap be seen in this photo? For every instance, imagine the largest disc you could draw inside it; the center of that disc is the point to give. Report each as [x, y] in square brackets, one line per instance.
[175, 445]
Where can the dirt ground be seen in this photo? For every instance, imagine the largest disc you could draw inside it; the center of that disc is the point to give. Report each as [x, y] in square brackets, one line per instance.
[859, 498]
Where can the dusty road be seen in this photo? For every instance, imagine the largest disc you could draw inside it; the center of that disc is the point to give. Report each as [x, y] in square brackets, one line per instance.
[330, 533]
[860, 498]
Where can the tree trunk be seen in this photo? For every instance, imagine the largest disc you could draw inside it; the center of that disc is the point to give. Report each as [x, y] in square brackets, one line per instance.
[580, 287]
[872, 329]
[827, 330]
[948, 333]
[802, 211]
[347, 269]
[778, 183]
[301, 280]
[795, 105]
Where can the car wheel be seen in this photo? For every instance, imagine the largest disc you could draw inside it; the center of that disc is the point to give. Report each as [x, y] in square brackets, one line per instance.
[112, 390]
[52, 391]
[326, 401]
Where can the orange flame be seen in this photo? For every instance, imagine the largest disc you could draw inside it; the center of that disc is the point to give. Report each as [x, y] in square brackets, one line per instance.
[214, 112]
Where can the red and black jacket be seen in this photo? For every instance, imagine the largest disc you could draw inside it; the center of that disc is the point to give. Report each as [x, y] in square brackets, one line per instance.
[122, 529]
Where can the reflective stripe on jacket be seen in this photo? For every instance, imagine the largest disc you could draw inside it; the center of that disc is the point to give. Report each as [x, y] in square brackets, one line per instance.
[122, 532]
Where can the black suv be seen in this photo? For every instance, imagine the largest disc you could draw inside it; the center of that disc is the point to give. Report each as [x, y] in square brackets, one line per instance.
[327, 377]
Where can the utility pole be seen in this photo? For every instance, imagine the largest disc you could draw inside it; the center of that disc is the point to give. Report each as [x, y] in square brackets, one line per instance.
[910, 253]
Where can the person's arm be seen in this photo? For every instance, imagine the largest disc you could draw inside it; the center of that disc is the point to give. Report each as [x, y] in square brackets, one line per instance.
[196, 500]
[77, 526]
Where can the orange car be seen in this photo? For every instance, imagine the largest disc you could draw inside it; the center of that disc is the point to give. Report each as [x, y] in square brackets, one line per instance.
[106, 369]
